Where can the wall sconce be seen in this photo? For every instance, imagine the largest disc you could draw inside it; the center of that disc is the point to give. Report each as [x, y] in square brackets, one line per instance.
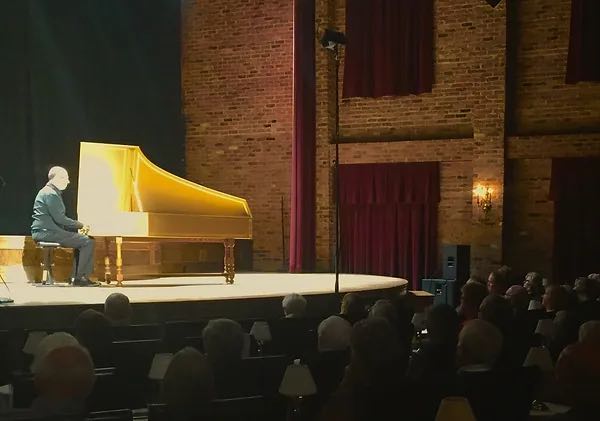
[483, 195]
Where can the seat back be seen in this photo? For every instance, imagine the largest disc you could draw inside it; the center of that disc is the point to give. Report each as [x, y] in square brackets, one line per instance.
[112, 415]
[497, 395]
[176, 332]
[137, 332]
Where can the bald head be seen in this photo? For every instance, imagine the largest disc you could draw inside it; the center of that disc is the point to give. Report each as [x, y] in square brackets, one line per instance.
[59, 177]
[66, 372]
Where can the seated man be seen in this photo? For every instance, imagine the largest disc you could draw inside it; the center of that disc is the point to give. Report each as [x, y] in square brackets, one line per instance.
[51, 224]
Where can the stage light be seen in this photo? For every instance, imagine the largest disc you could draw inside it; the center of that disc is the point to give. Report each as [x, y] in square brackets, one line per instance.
[332, 38]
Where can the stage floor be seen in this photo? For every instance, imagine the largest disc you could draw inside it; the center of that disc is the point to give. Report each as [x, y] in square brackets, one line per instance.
[179, 289]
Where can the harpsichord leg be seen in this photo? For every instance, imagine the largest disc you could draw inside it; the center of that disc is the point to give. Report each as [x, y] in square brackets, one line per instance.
[107, 274]
[119, 261]
[229, 260]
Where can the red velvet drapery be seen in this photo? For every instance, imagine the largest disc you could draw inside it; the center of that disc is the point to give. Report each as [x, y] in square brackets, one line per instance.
[389, 47]
[575, 190]
[388, 219]
[302, 213]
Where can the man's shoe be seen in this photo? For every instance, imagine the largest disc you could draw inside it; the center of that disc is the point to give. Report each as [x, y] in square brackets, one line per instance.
[84, 282]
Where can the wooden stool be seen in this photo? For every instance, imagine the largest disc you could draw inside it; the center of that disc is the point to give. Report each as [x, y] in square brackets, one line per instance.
[47, 260]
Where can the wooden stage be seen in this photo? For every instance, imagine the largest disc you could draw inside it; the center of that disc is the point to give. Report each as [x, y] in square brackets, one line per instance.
[253, 295]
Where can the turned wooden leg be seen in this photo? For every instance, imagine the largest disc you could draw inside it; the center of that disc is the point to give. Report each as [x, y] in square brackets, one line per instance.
[229, 260]
[119, 261]
[107, 274]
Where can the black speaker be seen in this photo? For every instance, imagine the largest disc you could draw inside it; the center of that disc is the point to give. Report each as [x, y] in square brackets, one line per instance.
[456, 262]
[443, 290]
[493, 3]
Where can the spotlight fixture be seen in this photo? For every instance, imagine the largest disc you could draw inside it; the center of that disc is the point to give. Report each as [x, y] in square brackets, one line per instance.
[332, 38]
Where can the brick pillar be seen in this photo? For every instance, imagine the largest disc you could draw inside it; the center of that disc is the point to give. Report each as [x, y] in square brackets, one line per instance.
[488, 131]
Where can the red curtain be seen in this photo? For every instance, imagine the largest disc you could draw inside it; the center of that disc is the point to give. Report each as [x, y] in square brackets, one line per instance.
[583, 62]
[302, 218]
[388, 219]
[389, 47]
[575, 190]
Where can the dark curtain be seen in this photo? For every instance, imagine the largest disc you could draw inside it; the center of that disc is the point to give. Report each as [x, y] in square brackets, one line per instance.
[575, 190]
[389, 47]
[388, 219]
[73, 70]
[583, 62]
[302, 224]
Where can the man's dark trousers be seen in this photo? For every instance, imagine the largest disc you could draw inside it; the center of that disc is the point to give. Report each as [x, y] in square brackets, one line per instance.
[83, 261]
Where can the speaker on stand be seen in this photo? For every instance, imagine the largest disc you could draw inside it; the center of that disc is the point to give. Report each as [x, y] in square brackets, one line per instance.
[455, 272]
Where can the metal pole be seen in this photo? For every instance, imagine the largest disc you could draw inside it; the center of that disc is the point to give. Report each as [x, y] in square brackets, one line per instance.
[336, 172]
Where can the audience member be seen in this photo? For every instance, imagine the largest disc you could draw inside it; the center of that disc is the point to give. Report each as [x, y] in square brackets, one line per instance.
[534, 285]
[63, 377]
[294, 305]
[334, 334]
[387, 310]
[93, 330]
[48, 343]
[373, 386]
[578, 373]
[223, 341]
[434, 364]
[188, 385]
[471, 296]
[497, 310]
[518, 298]
[118, 309]
[556, 298]
[352, 308]
[498, 281]
[479, 345]
[587, 291]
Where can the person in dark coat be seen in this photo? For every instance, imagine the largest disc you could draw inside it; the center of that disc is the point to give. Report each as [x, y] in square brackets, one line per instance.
[52, 225]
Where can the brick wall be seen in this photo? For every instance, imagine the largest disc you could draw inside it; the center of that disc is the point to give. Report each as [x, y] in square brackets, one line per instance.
[237, 86]
[237, 82]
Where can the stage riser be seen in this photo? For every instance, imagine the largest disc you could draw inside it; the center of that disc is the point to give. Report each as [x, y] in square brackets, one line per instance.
[63, 316]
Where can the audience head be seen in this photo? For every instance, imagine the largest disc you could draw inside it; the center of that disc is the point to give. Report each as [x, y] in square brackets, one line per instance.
[479, 343]
[377, 353]
[223, 341]
[496, 310]
[117, 309]
[587, 289]
[93, 330]
[334, 334]
[577, 375]
[476, 278]
[386, 310]
[518, 297]
[471, 296]
[589, 332]
[294, 305]
[65, 373]
[188, 383]
[556, 298]
[49, 343]
[442, 324]
[533, 284]
[353, 307]
[498, 281]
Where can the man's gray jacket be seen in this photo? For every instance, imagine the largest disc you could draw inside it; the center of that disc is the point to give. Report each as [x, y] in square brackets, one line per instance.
[49, 212]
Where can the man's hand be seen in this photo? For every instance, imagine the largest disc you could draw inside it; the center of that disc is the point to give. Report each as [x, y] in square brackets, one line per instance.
[85, 230]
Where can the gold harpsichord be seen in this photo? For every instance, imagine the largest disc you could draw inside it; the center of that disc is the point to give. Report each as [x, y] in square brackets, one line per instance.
[121, 194]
